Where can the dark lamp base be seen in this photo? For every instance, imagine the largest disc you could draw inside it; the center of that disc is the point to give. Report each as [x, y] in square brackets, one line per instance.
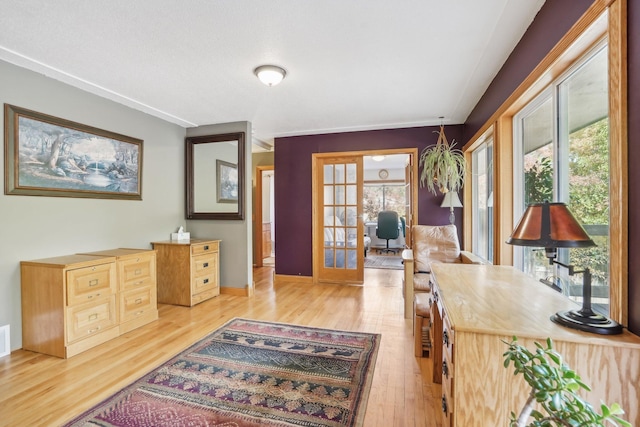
[588, 322]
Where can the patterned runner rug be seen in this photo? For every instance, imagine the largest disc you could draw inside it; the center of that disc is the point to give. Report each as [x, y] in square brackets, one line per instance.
[381, 261]
[251, 373]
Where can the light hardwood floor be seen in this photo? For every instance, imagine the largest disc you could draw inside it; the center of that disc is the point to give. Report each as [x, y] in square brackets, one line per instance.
[39, 390]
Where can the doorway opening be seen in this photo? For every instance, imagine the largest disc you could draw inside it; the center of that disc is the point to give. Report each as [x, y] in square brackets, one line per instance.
[389, 179]
[264, 226]
[384, 198]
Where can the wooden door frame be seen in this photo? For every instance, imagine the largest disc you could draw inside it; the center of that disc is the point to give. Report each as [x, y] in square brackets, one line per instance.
[257, 221]
[412, 152]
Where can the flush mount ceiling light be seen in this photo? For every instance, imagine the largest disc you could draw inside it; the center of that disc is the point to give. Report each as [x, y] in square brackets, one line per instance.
[377, 158]
[270, 75]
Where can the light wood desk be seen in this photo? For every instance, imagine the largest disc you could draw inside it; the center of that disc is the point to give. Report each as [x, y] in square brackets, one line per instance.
[479, 307]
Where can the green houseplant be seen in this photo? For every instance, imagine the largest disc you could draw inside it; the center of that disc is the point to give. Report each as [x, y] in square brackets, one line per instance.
[555, 387]
[443, 166]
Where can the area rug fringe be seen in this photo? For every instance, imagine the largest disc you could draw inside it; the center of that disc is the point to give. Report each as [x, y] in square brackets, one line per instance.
[251, 373]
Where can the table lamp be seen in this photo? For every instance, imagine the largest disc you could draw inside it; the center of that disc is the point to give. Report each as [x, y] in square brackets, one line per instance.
[451, 200]
[552, 226]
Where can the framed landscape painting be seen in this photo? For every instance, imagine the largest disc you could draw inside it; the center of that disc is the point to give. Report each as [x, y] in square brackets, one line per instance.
[227, 179]
[49, 156]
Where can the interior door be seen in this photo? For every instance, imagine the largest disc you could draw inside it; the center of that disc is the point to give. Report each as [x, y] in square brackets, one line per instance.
[338, 226]
[409, 183]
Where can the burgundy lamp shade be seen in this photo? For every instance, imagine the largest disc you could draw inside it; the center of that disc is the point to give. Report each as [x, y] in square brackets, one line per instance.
[549, 225]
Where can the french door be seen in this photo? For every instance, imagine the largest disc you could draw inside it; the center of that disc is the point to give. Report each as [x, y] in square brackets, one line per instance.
[338, 226]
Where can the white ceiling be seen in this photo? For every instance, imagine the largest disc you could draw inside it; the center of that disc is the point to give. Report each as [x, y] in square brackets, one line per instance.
[352, 65]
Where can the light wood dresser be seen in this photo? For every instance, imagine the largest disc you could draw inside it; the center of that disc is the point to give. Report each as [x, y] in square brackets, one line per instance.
[477, 307]
[137, 287]
[74, 302]
[188, 271]
[68, 303]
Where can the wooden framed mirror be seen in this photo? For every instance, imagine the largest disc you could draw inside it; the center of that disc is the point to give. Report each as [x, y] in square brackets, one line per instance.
[215, 176]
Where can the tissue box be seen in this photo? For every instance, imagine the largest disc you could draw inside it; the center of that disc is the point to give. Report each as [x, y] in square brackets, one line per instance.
[181, 236]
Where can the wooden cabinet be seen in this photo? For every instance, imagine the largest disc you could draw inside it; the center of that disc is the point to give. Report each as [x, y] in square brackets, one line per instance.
[74, 302]
[477, 308]
[68, 303]
[137, 288]
[188, 272]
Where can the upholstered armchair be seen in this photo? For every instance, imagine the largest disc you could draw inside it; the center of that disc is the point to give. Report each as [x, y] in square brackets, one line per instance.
[429, 244]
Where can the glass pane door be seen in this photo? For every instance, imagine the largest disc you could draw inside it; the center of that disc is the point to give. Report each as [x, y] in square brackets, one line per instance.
[342, 238]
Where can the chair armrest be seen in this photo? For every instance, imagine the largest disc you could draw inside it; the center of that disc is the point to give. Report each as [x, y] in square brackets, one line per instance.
[470, 258]
[407, 282]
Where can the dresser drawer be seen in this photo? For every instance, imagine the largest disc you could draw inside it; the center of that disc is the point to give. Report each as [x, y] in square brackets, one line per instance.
[204, 265]
[203, 248]
[203, 283]
[137, 271]
[90, 283]
[205, 295]
[135, 303]
[89, 319]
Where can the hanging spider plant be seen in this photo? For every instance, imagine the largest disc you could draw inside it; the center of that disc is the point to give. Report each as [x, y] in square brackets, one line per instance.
[443, 166]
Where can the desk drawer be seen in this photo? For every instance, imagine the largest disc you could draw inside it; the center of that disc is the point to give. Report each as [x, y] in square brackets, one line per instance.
[447, 406]
[90, 283]
[203, 248]
[448, 336]
[90, 319]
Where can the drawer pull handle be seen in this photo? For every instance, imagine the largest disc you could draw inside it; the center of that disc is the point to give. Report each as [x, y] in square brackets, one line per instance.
[445, 337]
[138, 313]
[90, 331]
[91, 296]
[140, 282]
[205, 265]
[138, 271]
[445, 369]
[93, 282]
[444, 404]
[206, 247]
[93, 316]
[139, 301]
[205, 281]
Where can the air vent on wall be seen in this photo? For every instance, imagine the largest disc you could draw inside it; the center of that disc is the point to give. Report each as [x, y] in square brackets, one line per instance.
[5, 344]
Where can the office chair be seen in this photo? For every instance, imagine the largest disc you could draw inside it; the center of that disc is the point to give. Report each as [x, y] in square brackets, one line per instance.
[387, 228]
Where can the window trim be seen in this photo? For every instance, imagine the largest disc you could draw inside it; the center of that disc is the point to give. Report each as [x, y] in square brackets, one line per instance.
[605, 18]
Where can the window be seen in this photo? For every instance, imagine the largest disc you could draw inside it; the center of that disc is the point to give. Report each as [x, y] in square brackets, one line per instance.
[482, 210]
[561, 153]
[383, 197]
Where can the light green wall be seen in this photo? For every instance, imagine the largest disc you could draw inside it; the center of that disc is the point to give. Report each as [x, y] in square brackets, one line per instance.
[236, 260]
[41, 227]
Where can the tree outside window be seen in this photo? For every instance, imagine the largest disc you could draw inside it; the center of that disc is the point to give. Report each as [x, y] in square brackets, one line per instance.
[386, 197]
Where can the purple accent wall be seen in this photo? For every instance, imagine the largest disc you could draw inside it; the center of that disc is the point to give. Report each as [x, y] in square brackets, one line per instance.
[293, 155]
[552, 22]
[293, 198]
[633, 64]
